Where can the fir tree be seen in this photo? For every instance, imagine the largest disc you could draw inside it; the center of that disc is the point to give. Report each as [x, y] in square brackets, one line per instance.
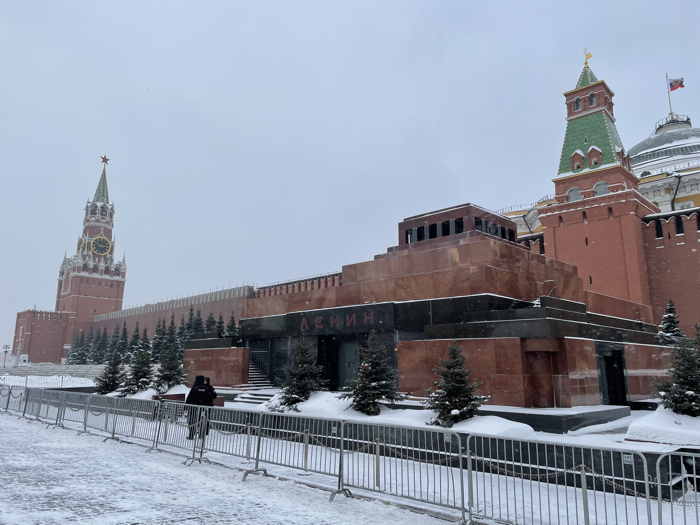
[78, 354]
[220, 327]
[99, 347]
[453, 395]
[123, 344]
[231, 327]
[210, 324]
[303, 377]
[90, 342]
[682, 393]
[376, 378]
[112, 376]
[198, 326]
[140, 376]
[181, 330]
[158, 341]
[189, 325]
[669, 332]
[171, 371]
[113, 345]
[233, 331]
[134, 345]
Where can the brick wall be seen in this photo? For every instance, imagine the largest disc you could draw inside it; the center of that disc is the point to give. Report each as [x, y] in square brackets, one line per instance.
[225, 366]
[673, 263]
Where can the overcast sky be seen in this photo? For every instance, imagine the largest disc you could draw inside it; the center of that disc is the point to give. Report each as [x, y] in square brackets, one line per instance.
[254, 142]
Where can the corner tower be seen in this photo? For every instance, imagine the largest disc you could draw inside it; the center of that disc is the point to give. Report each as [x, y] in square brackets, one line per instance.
[595, 221]
[90, 282]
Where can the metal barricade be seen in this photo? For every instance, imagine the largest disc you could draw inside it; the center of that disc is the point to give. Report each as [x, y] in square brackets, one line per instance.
[15, 400]
[5, 397]
[519, 481]
[422, 464]
[135, 418]
[232, 432]
[309, 444]
[98, 410]
[74, 413]
[505, 480]
[677, 484]
[179, 426]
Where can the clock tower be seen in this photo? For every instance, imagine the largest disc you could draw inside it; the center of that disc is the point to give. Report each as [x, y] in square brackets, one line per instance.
[91, 282]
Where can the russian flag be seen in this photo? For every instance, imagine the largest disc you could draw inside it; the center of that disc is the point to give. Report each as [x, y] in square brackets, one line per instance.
[675, 83]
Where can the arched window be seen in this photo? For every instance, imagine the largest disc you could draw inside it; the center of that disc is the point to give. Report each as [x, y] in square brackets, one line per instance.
[574, 194]
[577, 104]
[591, 99]
[601, 188]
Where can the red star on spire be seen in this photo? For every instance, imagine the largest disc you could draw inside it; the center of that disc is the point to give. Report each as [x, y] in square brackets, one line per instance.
[104, 159]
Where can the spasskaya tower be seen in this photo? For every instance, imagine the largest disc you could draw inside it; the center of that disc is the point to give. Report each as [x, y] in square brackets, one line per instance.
[91, 282]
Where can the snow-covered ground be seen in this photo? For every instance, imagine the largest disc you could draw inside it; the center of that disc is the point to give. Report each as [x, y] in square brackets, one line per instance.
[664, 426]
[46, 381]
[329, 405]
[608, 435]
[52, 477]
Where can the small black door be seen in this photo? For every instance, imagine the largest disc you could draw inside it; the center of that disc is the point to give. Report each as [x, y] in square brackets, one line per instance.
[613, 370]
[328, 346]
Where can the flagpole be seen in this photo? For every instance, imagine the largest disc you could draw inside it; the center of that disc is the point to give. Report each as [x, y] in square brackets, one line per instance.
[668, 92]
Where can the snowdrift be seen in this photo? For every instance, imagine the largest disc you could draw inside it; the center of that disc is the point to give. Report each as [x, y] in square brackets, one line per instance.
[665, 426]
[327, 404]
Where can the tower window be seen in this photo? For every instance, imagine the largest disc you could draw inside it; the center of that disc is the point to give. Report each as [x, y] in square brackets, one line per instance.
[590, 280]
[542, 246]
[445, 228]
[601, 188]
[561, 220]
[610, 211]
[420, 233]
[659, 229]
[586, 241]
[584, 216]
[459, 225]
[432, 231]
[577, 104]
[679, 224]
[574, 194]
[591, 99]
[477, 223]
[511, 234]
[408, 236]
[697, 218]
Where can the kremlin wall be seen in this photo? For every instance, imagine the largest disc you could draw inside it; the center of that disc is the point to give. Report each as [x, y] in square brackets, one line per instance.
[552, 305]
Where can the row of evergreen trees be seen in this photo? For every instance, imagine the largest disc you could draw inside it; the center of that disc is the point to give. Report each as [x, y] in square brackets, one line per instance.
[153, 362]
[97, 348]
[453, 395]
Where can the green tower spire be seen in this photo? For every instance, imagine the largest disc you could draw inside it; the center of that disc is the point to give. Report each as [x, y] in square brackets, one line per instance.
[102, 193]
[586, 78]
[590, 127]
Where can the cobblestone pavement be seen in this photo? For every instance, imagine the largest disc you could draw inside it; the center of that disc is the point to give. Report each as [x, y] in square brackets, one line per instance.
[55, 476]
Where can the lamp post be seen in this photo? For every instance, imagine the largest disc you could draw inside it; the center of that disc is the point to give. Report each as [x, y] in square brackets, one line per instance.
[5, 351]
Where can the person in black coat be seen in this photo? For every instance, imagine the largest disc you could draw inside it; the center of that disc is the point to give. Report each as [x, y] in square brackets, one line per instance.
[212, 393]
[199, 395]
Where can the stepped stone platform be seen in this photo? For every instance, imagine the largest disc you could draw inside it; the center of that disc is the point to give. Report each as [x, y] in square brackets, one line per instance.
[51, 369]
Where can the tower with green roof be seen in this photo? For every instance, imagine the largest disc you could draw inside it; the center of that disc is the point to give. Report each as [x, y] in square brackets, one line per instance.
[92, 281]
[595, 219]
[591, 141]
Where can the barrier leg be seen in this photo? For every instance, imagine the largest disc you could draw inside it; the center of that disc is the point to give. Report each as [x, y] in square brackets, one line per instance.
[341, 482]
[156, 436]
[256, 468]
